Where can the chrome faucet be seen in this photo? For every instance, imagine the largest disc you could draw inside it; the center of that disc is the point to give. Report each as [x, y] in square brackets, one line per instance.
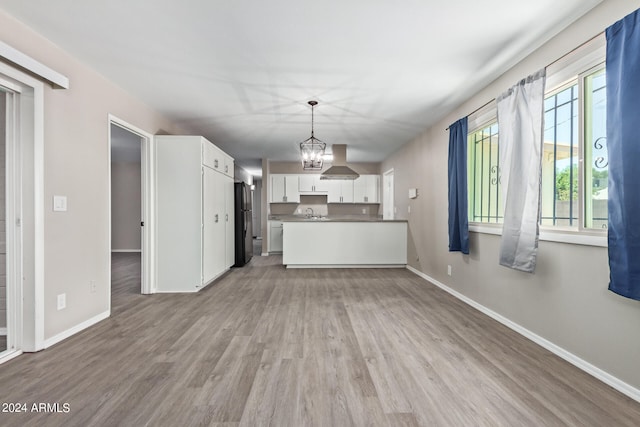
[309, 212]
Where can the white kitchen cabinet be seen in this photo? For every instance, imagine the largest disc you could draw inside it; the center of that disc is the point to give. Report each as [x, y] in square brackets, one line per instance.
[213, 225]
[340, 191]
[192, 207]
[228, 166]
[217, 159]
[366, 189]
[312, 184]
[285, 189]
[275, 236]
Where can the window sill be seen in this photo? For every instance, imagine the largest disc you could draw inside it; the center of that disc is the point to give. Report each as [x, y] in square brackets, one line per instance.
[560, 236]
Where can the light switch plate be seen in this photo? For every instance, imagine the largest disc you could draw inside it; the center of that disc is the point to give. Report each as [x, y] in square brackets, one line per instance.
[60, 203]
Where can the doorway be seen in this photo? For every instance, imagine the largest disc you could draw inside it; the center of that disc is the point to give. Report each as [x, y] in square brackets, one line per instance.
[388, 198]
[130, 208]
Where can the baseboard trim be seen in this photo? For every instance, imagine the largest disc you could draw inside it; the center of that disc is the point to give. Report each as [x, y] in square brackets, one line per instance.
[9, 356]
[264, 254]
[294, 266]
[587, 367]
[127, 250]
[74, 330]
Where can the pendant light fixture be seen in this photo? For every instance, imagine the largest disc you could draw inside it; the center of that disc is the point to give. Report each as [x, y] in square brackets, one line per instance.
[312, 149]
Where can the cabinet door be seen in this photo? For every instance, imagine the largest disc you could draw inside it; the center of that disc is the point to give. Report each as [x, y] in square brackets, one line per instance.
[340, 191]
[321, 185]
[229, 219]
[228, 166]
[373, 189]
[292, 189]
[212, 156]
[313, 184]
[366, 189]
[347, 191]
[334, 195]
[213, 225]
[275, 236]
[306, 183]
[278, 194]
[360, 189]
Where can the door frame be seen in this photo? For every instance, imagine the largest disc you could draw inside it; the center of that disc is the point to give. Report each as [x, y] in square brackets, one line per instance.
[388, 193]
[147, 174]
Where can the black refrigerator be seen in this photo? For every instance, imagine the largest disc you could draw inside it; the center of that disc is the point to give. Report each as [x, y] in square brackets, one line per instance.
[244, 230]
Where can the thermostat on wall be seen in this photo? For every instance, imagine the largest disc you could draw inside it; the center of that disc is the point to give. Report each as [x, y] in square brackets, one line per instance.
[413, 193]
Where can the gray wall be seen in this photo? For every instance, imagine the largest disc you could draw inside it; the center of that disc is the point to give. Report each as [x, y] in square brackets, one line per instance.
[126, 205]
[566, 301]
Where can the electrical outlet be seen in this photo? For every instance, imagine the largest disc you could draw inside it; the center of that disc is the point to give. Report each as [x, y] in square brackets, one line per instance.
[448, 270]
[364, 210]
[62, 301]
[93, 287]
[408, 209]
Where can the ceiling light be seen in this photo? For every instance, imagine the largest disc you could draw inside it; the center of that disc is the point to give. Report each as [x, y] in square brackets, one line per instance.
[312, 149]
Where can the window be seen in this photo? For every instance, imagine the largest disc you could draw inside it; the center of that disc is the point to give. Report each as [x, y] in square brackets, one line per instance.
[574, 159]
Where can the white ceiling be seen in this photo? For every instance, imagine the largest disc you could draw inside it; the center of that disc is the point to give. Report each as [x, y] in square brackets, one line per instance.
[240, 72]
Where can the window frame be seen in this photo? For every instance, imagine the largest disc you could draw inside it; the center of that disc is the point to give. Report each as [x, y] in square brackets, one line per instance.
[575, 67]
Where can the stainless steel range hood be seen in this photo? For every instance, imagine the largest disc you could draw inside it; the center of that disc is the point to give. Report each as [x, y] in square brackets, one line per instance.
[339, 168]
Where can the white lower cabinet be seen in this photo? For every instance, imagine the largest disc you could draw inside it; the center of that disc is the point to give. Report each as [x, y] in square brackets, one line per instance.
[194, 215]
[275, 236]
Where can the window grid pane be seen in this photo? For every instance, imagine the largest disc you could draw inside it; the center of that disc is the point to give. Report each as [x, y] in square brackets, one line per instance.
[560, 159]
[596, 159]
[485, 200]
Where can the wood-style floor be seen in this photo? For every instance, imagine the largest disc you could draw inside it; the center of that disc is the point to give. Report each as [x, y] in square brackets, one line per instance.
[269, 346]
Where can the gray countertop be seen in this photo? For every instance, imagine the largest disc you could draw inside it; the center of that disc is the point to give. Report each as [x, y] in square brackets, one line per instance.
[331, 218]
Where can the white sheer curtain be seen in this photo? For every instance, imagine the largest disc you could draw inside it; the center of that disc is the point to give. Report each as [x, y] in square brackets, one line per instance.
[520, 120]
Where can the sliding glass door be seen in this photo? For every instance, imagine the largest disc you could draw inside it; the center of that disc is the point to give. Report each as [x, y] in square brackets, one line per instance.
[4, 132]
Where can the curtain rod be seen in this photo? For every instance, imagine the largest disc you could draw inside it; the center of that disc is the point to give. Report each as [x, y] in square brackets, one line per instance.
[547, 66]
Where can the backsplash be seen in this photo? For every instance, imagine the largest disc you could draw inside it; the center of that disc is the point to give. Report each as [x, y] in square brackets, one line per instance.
[320, 207]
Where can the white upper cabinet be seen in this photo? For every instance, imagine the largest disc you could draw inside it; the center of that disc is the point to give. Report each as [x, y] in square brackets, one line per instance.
[285, 189]
[217, 159]
[340, 191]
[312, 184]
[366, 189]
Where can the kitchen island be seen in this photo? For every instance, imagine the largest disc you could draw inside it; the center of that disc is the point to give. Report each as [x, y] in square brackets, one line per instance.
[344, 243]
